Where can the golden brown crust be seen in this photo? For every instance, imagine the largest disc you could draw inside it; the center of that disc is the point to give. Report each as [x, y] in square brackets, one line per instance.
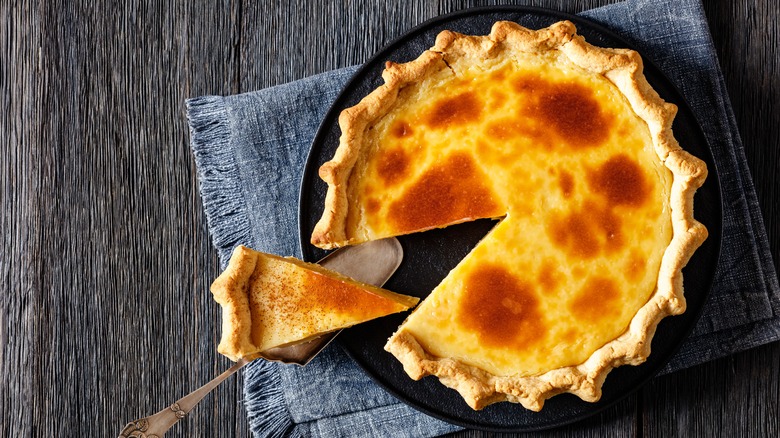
[623, 68]
[330, 231]
[230, 292]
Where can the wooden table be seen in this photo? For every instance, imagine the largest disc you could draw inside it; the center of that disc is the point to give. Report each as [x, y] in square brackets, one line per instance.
[106, 259]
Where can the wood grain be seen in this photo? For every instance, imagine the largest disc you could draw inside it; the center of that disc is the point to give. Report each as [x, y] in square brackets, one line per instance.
[106, 258]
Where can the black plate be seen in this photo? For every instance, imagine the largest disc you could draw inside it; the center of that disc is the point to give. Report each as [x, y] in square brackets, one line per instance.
[429, 256]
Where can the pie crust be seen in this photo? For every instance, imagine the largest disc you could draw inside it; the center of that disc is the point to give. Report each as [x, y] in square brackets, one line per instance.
[270, 301]
[508, 41]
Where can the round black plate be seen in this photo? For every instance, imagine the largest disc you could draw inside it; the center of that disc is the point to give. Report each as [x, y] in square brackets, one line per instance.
[429, 256]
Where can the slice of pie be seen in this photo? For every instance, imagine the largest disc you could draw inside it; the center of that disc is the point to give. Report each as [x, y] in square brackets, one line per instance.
[569, 146]
[270, 301]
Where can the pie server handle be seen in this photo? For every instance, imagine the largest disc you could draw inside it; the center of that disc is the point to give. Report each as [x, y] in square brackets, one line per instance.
[371, 262]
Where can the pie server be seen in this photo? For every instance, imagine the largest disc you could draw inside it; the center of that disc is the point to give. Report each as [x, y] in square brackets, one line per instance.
[371, 262]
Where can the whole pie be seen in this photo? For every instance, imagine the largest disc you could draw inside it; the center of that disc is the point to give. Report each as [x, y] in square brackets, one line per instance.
[572, 150]
[270, 301]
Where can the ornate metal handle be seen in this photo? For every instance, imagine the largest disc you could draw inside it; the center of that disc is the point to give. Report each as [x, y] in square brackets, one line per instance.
[155, 426]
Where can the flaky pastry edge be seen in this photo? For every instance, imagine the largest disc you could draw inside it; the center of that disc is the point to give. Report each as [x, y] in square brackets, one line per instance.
[230, 291]
[622, 67]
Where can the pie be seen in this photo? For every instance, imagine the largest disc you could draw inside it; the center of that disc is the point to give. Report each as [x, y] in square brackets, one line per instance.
[270, 301]
[569, 147]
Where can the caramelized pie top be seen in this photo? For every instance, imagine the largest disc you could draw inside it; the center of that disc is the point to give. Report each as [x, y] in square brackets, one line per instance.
[572, 150]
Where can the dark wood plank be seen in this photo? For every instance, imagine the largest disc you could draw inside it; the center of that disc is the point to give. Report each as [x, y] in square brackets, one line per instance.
[18, 180]
[733, 396]
[111, 260]
[106, 259]
[289, 41]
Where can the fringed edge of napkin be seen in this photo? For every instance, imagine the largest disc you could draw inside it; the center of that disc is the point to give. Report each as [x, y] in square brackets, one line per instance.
[218, 174]
[265, 404]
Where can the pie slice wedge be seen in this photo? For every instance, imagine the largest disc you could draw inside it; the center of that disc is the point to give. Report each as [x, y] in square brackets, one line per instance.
[572, 150]
[270, 301]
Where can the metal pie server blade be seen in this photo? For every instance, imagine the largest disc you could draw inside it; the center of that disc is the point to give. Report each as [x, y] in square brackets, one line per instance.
[371, 262]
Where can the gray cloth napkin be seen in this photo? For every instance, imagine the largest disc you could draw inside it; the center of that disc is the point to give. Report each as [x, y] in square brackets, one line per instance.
[250, 151]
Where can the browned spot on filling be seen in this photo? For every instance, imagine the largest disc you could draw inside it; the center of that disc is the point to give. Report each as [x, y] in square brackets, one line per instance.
[501, 309]
[609, 224]
[569, 110]
[509, 128]
[598, 299]
[570, 336]
[566, 183]
[401, 129]
[573, 112]
[621, 181]
[529, 84]
[635, 265]
[575, 233]
[594, 227]
[548, 277]
[484, 148]
[372, 206]
[498, 100]
[498, 75]
[329, 293]
[502, 130]
[457, 110]
[453, 191]
[624, 130]
[586, 231]
[392, 165]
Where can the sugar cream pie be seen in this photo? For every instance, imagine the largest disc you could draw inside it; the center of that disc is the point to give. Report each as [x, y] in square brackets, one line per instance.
[270, 301]
[569, 146]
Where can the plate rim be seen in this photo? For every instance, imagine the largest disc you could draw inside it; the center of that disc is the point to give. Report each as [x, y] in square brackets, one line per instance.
[402, 39]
